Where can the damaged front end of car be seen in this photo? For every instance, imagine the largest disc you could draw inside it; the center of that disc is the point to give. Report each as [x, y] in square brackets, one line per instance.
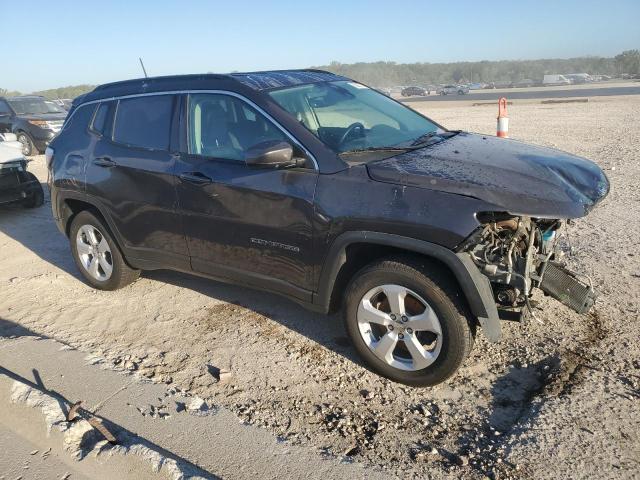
[526, 195]
[521, 253]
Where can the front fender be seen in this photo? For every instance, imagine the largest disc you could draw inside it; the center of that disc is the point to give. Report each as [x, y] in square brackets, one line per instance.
[474, 285]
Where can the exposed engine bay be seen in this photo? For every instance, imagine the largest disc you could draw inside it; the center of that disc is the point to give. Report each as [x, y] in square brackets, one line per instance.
[518, 254]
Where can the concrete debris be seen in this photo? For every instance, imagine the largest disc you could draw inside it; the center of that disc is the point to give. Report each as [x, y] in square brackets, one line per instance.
[75, 434]
[224, 376]
[197, 406]
[53, 414]
[351, 451]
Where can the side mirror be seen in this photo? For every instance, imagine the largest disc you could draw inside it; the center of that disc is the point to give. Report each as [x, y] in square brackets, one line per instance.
[271, 154]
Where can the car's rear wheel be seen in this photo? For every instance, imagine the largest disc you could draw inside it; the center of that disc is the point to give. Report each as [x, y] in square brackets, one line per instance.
[28, 147]
[408, 322]
[96, 254]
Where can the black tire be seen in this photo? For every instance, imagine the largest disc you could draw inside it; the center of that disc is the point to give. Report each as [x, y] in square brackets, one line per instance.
[121, 275]
[442, 294]
[28, 147]
[36, 198]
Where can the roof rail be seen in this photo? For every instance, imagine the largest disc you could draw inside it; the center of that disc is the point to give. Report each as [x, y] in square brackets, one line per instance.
[159, 79]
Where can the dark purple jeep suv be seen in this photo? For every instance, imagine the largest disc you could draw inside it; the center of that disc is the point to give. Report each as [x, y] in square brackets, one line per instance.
[318, 188]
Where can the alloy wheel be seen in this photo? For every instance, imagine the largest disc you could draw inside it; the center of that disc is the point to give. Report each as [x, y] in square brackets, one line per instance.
[26, 144]
[399, 327]
[94, 253]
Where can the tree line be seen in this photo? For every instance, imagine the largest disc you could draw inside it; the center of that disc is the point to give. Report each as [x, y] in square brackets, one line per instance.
[53, 93]
[388, 74]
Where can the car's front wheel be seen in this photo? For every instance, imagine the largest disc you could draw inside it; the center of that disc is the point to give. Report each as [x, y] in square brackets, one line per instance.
[28, 147]
[408, 321]
[96, 254]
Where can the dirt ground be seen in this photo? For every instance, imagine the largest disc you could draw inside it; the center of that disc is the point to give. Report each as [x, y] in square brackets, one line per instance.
[556, 398]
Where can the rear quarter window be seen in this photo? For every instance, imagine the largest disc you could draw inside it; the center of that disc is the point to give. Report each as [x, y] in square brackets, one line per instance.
[80, 118]
[102, 118]
[144, 122]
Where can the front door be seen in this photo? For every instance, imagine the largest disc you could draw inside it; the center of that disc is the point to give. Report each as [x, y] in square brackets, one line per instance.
[243, 223]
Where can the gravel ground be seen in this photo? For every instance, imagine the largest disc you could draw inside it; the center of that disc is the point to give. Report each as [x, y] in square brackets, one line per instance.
[558, 397]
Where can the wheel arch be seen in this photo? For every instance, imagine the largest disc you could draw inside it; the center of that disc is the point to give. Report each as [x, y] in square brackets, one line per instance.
[352, 250]
[71, 206]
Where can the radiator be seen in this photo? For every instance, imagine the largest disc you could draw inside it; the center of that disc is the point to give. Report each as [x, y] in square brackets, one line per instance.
[562, 285]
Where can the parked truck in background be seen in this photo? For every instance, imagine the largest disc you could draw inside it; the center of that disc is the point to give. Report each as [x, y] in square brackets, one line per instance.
[550, 80]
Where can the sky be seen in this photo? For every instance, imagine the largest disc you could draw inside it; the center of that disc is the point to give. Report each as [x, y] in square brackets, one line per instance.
[60, 43]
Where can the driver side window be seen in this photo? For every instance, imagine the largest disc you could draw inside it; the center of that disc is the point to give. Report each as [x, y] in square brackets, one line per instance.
[225, 127]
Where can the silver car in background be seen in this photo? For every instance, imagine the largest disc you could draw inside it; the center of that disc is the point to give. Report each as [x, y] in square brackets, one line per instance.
[453, 89]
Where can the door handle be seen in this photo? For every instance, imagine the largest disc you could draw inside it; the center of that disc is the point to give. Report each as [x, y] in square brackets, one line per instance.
[104, 162]
[195, 177]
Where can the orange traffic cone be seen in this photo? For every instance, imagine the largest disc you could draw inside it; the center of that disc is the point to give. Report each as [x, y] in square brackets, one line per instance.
[503, 118]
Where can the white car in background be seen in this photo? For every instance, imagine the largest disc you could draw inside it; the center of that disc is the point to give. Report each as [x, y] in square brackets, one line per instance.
[453, 89]
[17, 185]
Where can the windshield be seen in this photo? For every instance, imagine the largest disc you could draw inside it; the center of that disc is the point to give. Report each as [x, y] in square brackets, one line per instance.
[34, 106]
[350, 117]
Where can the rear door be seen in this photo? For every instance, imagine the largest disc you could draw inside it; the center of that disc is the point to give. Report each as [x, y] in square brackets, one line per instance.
[130, 174]
[243, 222]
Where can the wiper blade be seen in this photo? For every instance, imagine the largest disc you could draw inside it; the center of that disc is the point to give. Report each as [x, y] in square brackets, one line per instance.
[378, 149]
[417, 143]
[427, 136]
[423, 138]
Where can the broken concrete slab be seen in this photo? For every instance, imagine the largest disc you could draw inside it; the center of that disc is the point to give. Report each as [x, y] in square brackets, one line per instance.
[223, 446]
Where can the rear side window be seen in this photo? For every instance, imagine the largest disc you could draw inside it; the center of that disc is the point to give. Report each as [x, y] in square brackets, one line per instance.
[144, 122]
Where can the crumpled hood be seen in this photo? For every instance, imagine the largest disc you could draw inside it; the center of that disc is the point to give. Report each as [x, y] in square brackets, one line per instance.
[518, 178]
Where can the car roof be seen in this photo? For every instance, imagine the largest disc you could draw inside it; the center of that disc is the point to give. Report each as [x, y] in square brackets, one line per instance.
[256, 81]
[24, 96]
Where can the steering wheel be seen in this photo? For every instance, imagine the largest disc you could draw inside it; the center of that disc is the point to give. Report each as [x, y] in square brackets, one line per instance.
[351, 129]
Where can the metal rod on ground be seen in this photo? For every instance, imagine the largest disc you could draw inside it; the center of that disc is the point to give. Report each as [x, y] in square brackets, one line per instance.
[503, 118]
[77, 411]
